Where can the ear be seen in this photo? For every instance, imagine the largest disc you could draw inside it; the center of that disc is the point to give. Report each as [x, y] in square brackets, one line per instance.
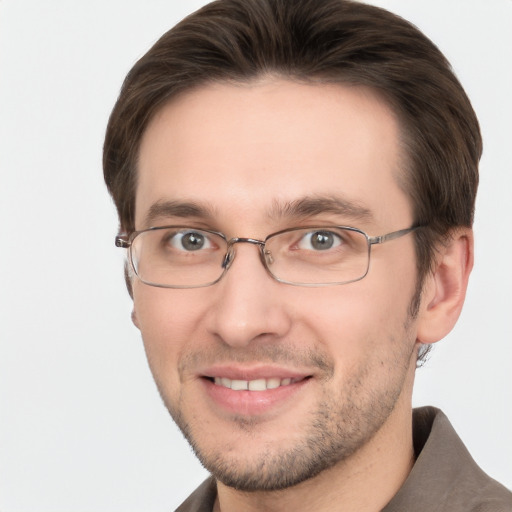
[135, 320]
[445, 288]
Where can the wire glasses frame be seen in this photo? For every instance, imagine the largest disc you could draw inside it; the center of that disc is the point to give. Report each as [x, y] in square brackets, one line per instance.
[342, 255]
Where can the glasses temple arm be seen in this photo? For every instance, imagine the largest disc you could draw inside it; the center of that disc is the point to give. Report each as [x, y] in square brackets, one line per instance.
[122, 241]
[391, 236]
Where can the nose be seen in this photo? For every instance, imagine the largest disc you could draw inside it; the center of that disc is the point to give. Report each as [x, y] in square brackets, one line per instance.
[249, 304]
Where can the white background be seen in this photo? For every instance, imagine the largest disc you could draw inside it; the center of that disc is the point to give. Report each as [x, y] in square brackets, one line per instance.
[81, 425]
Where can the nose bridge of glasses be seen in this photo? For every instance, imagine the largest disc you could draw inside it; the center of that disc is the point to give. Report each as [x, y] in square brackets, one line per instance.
[230, 253]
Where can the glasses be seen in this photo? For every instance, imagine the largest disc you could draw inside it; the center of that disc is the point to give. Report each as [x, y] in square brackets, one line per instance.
[185, 257]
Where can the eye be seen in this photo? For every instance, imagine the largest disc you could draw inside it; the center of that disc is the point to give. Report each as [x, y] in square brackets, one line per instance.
[190, 241]
[319, 241]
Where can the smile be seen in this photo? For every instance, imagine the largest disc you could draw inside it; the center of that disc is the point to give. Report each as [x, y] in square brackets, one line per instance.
[254, 385]
[254, 391]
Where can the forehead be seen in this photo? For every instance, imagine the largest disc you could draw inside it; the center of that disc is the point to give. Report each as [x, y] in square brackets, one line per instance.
[238, 150]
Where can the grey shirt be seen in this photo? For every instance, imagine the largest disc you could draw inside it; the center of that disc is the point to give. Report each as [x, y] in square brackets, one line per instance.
[444, 477]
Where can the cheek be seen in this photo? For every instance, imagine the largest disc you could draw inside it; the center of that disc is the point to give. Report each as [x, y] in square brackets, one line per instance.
[168, 320]
[361, 318]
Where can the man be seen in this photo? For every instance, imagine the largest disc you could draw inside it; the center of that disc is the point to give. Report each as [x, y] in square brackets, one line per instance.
[295, 182]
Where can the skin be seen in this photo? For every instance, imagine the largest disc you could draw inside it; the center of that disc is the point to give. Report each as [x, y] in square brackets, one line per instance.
[341, 436]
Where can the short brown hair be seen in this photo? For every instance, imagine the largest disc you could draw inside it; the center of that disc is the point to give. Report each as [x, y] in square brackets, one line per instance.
[325, 41]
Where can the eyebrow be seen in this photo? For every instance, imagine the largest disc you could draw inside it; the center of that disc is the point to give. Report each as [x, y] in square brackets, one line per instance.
[180, 209]
[298, 209]
[311, 206]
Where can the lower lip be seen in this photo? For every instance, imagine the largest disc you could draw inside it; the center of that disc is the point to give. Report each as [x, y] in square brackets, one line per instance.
[251, 403]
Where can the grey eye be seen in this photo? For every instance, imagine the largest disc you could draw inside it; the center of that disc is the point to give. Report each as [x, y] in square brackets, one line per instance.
[190, 241]
[319, 241]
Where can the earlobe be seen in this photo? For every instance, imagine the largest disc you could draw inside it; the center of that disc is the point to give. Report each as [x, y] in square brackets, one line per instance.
[445, 289]
[135, 319]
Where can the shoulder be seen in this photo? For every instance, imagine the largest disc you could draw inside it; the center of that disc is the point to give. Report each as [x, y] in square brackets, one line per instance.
[202, 499]
[445, 477]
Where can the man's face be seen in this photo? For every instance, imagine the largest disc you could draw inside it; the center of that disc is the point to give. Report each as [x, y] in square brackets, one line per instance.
[342, 357]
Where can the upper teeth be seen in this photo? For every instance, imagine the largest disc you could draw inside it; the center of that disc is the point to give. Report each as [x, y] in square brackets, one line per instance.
[252, 385]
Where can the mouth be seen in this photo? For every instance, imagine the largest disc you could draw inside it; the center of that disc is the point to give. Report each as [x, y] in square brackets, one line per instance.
[262, 384]
[255, 390]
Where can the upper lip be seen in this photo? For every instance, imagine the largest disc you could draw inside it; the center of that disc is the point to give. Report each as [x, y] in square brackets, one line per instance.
[236, 372]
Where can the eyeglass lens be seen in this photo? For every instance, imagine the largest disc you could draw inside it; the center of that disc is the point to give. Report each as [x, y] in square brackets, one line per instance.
[184, 257]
